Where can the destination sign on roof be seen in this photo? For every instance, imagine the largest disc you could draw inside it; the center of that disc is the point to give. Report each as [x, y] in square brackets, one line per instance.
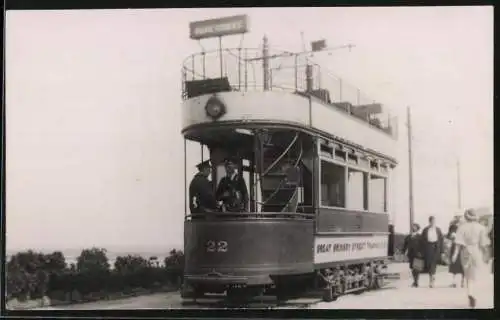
[218, 27]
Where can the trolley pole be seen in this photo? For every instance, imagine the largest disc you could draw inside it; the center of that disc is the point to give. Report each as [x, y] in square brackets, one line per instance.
[410, 167]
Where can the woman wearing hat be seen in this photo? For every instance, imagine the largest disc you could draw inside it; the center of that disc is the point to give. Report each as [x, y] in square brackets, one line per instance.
[472, 239]
[455, 266]
[201, 195]
[412, 249]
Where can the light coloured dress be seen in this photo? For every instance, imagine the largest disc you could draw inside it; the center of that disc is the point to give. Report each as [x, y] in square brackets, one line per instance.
[474, 238]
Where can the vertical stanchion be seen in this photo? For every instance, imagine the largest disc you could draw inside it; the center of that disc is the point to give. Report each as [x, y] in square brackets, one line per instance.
[309, 78]
[192, 68]
[265, 64]
[183, 94]
[204, 75]
[319, 76]
[296, 72]
[246, 69]
[220, 58]
[185, 179]
[239, 68]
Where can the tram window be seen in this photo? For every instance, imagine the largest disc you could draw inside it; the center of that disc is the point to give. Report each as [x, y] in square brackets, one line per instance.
[332, 185]
[377, 189]
[357, 190]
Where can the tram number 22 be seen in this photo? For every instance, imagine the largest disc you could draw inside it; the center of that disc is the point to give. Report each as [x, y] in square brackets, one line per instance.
[216, 246]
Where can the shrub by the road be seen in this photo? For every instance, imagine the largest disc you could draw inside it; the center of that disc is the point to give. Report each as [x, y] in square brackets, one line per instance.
[32, 275]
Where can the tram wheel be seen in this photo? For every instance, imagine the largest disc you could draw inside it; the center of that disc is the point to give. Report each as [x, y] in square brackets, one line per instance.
[329, 294]
[379, 282]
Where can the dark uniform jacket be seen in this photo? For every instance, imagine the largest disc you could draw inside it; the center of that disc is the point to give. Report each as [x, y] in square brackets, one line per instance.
[432, 251]
[413, 246]
[233, 192]
[201, 195]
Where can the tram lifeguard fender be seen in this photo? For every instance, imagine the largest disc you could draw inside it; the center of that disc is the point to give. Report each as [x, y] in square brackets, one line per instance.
[248, 248]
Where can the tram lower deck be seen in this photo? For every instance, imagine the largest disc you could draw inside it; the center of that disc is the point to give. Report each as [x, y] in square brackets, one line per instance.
[298, 226]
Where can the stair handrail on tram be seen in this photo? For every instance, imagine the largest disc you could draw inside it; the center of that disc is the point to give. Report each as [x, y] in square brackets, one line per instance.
[264, 173]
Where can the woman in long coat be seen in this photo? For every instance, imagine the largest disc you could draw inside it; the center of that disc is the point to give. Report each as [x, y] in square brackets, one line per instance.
[492, 250]
[432, 247]
[455, 267]
[411, 247]
[472, 238]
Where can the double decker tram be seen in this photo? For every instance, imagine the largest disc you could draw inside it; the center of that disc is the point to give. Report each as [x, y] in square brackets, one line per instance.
[316, 168]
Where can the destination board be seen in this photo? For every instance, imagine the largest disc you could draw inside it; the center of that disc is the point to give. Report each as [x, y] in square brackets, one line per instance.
[332, 249]
[218, 27]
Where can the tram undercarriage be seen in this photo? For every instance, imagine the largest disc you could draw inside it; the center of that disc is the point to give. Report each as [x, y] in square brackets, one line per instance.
[332, 282]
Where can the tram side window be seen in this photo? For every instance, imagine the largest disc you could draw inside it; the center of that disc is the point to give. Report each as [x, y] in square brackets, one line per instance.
[377, 189]
[332, 185]
[357, 190]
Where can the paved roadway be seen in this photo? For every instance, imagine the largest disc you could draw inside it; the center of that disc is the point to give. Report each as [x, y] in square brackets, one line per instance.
[397, 295]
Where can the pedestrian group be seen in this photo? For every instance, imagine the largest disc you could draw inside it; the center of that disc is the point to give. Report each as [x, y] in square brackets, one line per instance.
[470, 252]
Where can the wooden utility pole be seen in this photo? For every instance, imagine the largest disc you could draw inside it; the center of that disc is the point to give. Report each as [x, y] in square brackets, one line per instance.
[459, 187]
[410, 167]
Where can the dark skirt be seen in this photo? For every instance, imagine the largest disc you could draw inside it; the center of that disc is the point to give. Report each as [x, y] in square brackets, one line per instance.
[432, 256]
[410, 261]
[455, 267]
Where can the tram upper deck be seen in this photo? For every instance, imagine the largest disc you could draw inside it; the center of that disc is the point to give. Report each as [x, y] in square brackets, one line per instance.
[286, 89]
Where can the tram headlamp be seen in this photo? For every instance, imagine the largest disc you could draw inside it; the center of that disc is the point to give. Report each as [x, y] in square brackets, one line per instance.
[215, 108]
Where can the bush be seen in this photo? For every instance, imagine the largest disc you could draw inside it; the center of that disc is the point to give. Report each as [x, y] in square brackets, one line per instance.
[34, 275]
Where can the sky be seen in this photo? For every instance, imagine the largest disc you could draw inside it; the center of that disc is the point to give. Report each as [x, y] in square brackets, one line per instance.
[93, 112]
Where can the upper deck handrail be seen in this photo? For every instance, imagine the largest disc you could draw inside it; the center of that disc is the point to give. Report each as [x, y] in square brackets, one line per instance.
[287, 71]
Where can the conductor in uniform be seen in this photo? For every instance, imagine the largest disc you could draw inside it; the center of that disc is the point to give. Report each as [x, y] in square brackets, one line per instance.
[232, 189]
[201, 194]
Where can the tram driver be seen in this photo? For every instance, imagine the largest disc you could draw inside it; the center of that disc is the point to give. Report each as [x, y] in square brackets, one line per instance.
[201, 195]
[232, 190]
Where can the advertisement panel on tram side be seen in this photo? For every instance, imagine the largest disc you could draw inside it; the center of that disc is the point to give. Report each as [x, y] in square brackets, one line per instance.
[335, 249]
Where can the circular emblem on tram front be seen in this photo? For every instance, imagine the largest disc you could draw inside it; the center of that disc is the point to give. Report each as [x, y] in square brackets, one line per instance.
[215, 108]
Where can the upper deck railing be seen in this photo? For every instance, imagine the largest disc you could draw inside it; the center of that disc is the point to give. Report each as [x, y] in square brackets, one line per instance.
[287, 71]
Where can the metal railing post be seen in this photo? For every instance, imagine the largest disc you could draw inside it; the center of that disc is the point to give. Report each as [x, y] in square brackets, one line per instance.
[192, 67]
[246, 68]
[296, 71]
[239, 68]
[220, 57]
[204, 75]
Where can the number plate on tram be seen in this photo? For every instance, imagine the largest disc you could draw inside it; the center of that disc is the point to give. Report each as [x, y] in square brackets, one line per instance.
[216, 246]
